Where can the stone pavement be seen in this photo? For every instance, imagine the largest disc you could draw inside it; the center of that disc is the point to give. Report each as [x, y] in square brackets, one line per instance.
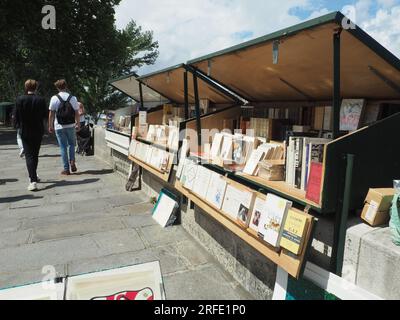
[88, 222]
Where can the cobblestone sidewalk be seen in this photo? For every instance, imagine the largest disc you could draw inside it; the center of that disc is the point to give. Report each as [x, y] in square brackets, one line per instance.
[88, 222]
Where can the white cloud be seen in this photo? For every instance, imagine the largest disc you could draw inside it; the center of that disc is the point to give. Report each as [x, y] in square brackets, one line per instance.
[192, 28]
[385, 26]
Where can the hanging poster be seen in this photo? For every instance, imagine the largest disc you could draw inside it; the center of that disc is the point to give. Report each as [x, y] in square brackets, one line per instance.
[351, 113]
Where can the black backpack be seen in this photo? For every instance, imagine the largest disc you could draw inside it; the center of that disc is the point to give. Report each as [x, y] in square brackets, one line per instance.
[65, 113]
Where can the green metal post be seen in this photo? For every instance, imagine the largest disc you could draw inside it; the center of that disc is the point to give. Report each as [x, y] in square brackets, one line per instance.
[342, 219]
[141, 97]
[197, 106]
[336, 84]
[186, 91]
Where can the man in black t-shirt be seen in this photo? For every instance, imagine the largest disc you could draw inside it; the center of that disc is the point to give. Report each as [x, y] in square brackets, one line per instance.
[30, 113]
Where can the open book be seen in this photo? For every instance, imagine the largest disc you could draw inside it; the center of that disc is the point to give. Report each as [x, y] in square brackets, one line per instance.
[139, 282]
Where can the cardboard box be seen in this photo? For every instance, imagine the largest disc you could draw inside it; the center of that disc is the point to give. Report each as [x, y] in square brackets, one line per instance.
[383, 198]
[377, 206]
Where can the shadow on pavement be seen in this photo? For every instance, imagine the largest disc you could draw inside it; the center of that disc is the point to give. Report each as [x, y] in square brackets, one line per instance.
[95, 172]
[19, 198]
[50, 156]
[4, 181]
[55, 184]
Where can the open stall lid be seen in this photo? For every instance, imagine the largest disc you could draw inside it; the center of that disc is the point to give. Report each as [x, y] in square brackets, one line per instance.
[130, 86]
[296, 64]
[170, 83]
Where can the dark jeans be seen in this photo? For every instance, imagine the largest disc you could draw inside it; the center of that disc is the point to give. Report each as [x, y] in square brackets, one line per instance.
[32, 149]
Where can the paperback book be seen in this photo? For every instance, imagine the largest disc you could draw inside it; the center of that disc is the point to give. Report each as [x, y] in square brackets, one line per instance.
[276, 210]
[294, 232]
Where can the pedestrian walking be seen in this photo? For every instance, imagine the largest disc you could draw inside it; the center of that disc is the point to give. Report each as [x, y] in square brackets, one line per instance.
[64, 120]
[30, 113]
[20, 144]
[19, 140]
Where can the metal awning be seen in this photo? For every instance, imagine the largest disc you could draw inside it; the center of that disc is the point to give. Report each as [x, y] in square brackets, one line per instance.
[130, 86]
[170, 83]
[304, 70]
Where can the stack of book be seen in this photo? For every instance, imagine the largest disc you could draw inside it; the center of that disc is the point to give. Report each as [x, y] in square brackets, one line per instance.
[265, 152]
[262, 127]
[301, 153]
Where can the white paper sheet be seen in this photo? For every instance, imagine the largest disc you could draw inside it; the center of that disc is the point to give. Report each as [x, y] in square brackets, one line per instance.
[216, 146]
[190, 175]
[237, 202]
[216, 190]
[252, 163]
[202, 182]
[183, 155]
[227, 147]
[164, 210]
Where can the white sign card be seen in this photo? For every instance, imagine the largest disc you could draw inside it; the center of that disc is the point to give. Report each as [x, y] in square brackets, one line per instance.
[164, 209]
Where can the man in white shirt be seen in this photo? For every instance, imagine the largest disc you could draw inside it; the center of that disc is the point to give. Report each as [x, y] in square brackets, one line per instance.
[64, 120]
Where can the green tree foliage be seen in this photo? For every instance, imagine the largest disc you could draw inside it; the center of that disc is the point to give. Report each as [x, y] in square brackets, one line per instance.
[85, 48]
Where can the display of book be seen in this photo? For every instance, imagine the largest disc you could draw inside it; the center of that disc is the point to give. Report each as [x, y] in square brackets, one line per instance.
[157, 158]
[257, 219]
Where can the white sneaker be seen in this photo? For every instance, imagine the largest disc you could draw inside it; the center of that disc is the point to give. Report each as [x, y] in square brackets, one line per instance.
[32, 186]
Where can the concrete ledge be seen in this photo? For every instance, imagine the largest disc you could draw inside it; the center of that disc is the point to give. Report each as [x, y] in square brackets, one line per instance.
[119, 162]
[372, 260]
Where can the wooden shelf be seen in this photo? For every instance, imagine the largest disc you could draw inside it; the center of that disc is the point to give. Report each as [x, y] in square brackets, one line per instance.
[281, 188]
[291, 264]
[162, 175]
